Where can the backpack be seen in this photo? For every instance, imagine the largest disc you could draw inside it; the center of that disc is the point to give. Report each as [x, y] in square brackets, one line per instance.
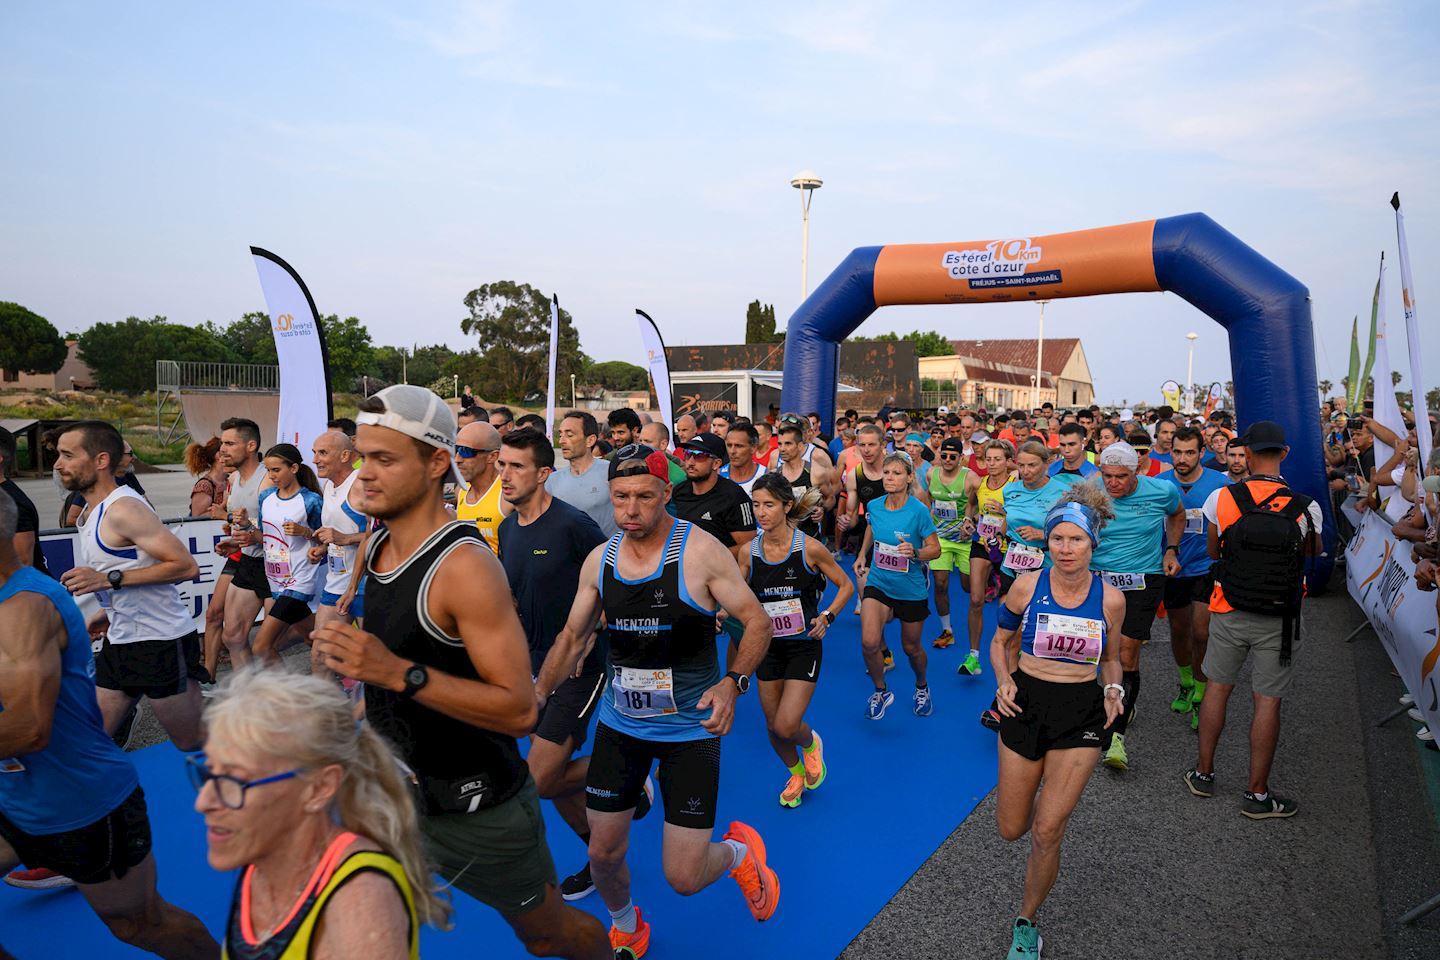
[1262, 558]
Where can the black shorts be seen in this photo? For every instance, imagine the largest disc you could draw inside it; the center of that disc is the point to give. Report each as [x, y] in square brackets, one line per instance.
[291, 610]
[1140, 607]
[1006, 578]
[149, 668]
[791, 658]
[1053, 716]
[231, 567]
[568, 711]
[250, 575]
[1183, 591]
[104, 850]
[906, 611]
[689, 775]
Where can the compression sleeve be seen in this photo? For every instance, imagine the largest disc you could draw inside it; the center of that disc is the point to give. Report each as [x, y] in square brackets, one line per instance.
[1008, 619]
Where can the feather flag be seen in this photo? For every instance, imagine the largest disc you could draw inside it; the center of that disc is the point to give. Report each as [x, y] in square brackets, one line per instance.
[1423, 437]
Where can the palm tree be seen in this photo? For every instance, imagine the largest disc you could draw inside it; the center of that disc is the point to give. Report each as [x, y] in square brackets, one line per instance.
[1325, 386]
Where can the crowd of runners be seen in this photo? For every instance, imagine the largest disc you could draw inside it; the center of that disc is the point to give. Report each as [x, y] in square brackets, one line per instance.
[462, 588]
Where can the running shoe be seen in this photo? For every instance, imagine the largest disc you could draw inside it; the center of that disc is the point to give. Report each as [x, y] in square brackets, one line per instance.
[757, 882]
[37, 879]
[125, 733]
[945, 639]
[879, 700]
[631, 946]
[1415, 714]
[1271, 807]
[971, 667]
[888, 659]
[815, 769]
[1407, 700]
[208, 688]
[924, 706]
[793, 792]
[578, 885]
[1203, 787]
[1182, 703]
[647, 799]
[1425, 734]
[1115, 757]
[1025, 940]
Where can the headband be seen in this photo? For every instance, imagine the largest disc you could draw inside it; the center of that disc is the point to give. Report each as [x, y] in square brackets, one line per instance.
[1076, 513]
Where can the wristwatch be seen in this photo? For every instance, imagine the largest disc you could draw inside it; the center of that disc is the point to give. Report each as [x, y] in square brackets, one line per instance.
[415, 679]
[829, 617]
[116, 577]
[742, 680]
[1172, 546]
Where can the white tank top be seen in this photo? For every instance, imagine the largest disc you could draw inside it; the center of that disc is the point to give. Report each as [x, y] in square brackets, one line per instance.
[287, 561]
[143, 612]
[246, 496]
[747, 484]
[339, 515]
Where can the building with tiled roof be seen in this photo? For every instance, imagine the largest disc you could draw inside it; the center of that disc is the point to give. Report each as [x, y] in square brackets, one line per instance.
[1001, 373]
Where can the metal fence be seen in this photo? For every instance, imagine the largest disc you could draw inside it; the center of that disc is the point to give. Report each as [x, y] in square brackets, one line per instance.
[178, 375]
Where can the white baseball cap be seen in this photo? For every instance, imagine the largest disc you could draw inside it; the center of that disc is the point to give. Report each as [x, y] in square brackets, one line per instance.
[1119, 454]
[416, 412]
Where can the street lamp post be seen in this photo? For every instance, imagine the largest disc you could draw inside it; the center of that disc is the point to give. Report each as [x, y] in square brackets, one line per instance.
[572, 391]
[807, 182]
[1039, 350]
[1190, 372]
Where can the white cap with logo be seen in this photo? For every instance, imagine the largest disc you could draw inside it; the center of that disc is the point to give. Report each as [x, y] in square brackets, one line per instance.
[415, 412]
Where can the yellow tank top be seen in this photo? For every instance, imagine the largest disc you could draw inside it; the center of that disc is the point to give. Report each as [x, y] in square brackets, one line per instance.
[992, 502]
[293, 940]
[485, 514]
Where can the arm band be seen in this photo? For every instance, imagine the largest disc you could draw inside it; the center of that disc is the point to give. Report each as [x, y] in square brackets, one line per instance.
[1007, 619]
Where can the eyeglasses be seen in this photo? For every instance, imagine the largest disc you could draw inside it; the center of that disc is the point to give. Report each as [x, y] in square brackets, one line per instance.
[230, 791]
[465, 453]
[949, 456]
[687, 454]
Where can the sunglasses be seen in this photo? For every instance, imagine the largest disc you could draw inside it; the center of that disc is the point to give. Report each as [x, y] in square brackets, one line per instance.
[465, 453]
[694, 455]
[230, 791]
[949, 456]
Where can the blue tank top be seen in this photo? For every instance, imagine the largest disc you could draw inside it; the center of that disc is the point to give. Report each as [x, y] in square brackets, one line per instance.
[81, 775]
[1069, 634]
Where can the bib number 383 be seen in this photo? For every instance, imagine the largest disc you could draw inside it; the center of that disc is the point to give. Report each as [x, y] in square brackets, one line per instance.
[1125, 581]
[643, 693]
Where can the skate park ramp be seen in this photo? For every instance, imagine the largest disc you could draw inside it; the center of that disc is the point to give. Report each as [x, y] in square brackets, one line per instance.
[204, 412]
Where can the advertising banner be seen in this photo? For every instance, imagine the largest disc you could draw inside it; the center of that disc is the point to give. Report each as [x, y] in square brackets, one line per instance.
[1387, 408]
[199, 537]
[1381, 578]
[658, 366]
[554, 343]
[305, 405]
[1412, 332]
[1170, 391]
[707, 397]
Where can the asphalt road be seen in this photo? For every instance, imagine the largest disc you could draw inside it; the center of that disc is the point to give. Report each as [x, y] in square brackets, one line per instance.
[1150, 871]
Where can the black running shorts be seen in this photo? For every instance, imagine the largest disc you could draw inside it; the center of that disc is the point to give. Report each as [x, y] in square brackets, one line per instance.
[250, 575]
[1182, 591]
[568, 711]
[291, 610]
[1140, 607]
[906, 611]
[1053, 716]
[104, 850]
[689, 775]
[791, 658]
[231, 566]
[149, 668]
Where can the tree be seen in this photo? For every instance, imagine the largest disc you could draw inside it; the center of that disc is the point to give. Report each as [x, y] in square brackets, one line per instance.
[760, 323]
[1395, 378]
[420, 365]
[123, 354]
[1325, 387]
[348, 348]
[512, 323]
[618, 375]
[251, 338]
[1432, 398]
[927, 344]
[28, 342]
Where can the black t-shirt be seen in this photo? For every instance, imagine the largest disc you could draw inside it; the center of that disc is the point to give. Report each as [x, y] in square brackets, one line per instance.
[130, 480]
[542, 561]
[1367, 462]
[28, 520]
[723, 511]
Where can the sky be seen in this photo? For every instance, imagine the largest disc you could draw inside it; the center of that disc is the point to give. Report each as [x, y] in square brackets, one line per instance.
[626, 155]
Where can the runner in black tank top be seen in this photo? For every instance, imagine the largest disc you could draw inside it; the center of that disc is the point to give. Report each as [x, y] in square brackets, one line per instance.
[788, 572]
[658, 584]
[450, 683]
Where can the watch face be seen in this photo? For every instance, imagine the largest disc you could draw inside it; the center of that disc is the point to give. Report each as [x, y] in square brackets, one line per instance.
[415, 677]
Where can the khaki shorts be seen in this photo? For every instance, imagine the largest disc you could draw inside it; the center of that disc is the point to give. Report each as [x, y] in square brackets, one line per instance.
[1238, 634]
[498, 855]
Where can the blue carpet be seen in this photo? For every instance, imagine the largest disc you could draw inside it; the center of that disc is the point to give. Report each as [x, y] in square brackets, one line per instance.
[895, 790]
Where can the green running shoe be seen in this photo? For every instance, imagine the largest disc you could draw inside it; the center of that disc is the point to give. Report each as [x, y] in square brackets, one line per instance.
[1182, 704]
[971, 667]
[1115, 757]
[1025, 940]
[1195, 718]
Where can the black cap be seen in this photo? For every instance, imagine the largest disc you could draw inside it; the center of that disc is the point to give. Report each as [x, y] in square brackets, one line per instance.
[953, 444]
[705, 443]
[1264, 435]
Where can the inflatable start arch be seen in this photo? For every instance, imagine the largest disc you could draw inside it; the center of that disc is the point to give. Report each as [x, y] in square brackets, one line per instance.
[1265, 311]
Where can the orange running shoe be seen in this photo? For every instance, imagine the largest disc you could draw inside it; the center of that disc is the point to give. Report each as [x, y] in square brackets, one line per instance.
[814, 761]
[794, 788]
[757, 882]
[945, 639]
[631, 945]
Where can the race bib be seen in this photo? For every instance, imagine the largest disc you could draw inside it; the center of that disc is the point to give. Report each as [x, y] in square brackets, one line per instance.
[1022, 556]
[946, 510]
[11, 765]
[1194, 521]
[641, 693]
[989, 526]
[787, 617]
[1065, 637]
[798, 492]
[1124, 581]
[335, 558]
[889, 558]
[277, 560]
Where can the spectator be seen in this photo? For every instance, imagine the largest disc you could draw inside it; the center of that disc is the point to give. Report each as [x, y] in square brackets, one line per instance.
[502, 419]
[27, 528]
[623, 426]
[203, 462]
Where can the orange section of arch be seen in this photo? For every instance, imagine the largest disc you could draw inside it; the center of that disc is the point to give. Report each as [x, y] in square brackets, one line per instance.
[1083, 263]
